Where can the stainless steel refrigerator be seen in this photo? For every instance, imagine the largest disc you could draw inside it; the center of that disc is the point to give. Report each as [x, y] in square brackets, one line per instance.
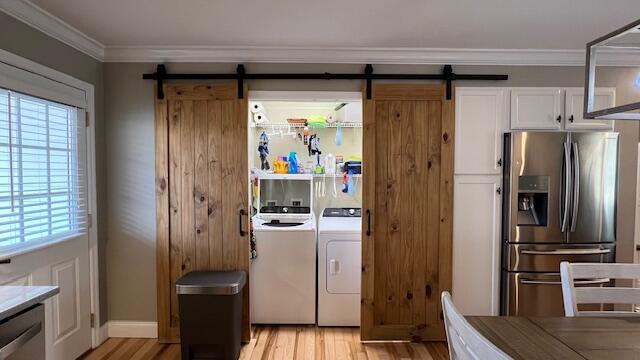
[559, 204]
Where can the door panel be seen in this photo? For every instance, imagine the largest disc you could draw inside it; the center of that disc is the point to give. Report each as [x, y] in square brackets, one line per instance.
[407, 193]
[595, 187]
[536, 109]
[476, 244]
[202, 181]
[480, 118]
[65, 316]
[536, 172]
[604, 98]
[68, 314]
[540, 294]
[547, 258]
[343, 267]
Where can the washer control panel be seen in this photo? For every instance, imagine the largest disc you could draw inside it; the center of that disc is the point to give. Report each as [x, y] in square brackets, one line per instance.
[342, 212]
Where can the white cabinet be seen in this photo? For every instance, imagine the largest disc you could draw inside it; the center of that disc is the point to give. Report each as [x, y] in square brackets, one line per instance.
[476, 244]
[574, 106]
[536, 109]
[557, 109]
[481, 115]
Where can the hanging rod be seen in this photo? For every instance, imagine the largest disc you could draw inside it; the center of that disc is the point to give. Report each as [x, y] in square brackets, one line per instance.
[447, 75]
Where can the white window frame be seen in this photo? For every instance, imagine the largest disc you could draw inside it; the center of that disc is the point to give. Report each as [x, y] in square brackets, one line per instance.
[46, 74]
[25, 246]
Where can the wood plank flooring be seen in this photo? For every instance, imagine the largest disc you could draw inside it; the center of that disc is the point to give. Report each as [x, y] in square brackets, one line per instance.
[283, 342]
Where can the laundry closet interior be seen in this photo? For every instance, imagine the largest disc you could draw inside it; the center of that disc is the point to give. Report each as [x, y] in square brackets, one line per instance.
[337, 205]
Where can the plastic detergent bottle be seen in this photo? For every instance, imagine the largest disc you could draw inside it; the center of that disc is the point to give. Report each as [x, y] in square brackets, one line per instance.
[293, 163]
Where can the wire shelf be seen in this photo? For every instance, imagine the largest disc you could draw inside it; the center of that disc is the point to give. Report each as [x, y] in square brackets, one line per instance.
[349, 125]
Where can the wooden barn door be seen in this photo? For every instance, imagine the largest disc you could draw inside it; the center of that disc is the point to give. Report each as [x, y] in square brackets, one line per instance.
[408, 197]
[201, 191]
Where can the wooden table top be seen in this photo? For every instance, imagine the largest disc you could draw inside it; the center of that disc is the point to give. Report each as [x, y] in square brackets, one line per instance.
[562, 337]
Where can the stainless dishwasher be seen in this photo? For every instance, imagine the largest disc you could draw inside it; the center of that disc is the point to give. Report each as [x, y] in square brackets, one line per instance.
[22, 335]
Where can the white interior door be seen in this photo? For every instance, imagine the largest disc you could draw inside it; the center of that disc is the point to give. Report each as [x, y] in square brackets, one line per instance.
[68, 314]
[43, 213]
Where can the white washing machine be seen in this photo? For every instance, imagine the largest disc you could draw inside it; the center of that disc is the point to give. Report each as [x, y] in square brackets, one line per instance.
[339, 267]
[283, 275]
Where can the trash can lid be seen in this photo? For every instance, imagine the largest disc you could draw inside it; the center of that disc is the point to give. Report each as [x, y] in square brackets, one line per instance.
[211, 283]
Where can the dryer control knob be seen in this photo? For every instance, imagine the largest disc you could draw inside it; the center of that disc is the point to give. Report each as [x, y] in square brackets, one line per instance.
[352, 212]
[285, 209]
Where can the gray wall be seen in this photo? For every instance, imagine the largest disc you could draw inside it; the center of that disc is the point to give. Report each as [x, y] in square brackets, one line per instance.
[125, 149]
[130, 159]
[32, 44]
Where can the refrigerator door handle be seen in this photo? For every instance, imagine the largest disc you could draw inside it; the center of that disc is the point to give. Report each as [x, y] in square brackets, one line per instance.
[577, 282]
[565, 188]
[575, 162]
[566, 252]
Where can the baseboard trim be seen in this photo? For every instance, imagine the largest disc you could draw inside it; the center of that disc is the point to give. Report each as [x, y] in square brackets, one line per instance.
[100, 335]
[132, 329]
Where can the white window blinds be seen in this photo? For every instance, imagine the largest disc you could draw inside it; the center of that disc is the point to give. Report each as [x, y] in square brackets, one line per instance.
[43, 192]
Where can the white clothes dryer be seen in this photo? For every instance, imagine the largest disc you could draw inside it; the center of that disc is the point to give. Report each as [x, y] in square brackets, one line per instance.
[339, 267]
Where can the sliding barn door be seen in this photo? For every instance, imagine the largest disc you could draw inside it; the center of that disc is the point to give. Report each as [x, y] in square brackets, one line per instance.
[407, 204]
[201, 191]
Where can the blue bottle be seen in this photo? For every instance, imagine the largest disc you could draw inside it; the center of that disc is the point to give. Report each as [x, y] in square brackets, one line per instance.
[293, 163]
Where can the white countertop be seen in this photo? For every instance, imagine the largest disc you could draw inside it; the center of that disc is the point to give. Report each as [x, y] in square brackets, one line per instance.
[14, 299]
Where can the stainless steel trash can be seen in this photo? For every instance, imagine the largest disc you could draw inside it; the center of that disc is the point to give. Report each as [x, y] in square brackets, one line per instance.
[211, 314]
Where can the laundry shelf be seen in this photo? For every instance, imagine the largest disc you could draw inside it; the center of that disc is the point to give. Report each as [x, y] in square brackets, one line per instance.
[350, 125]
[270, 175]
[334, 175]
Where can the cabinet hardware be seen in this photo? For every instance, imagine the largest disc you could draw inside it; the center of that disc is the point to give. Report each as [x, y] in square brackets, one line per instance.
[5, 261]
[368, 222]
[571, 118]
[499, 190]
[566, 252]
[559, 118]
[579, 282]
[240, 215]
[499, 162]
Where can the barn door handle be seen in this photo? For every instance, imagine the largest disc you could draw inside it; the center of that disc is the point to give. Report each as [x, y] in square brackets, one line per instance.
[368, 222]
[240, 215]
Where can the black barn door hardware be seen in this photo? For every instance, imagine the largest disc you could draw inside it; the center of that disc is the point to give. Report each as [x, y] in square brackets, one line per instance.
[447, 75]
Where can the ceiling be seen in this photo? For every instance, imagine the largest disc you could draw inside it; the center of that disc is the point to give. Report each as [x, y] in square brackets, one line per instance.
[492, 24]
[417, 24]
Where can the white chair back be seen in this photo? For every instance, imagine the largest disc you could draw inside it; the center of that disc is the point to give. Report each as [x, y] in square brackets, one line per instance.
[591, 277]
[465, 342]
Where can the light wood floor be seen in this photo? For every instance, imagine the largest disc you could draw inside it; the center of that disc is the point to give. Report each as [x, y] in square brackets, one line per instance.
[283, 342]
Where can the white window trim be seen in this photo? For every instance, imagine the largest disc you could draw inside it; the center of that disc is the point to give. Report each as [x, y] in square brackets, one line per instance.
[98, 333]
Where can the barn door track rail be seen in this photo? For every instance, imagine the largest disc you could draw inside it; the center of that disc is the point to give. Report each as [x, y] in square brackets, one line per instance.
[161, 75]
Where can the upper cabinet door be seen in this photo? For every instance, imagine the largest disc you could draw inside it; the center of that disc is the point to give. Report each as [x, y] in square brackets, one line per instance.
[536, 109]
[480, 118]
[605, 98]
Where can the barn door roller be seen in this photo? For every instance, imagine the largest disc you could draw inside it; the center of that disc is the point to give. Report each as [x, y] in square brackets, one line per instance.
[447, 75]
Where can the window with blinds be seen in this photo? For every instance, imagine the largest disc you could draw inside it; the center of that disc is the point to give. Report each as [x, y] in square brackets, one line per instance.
[43, 191]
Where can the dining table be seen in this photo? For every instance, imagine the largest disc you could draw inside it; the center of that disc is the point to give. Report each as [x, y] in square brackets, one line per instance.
[523, 337]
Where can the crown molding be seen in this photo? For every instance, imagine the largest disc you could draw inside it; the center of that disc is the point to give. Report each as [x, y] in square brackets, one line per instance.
[341, 55]
[40, 19]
